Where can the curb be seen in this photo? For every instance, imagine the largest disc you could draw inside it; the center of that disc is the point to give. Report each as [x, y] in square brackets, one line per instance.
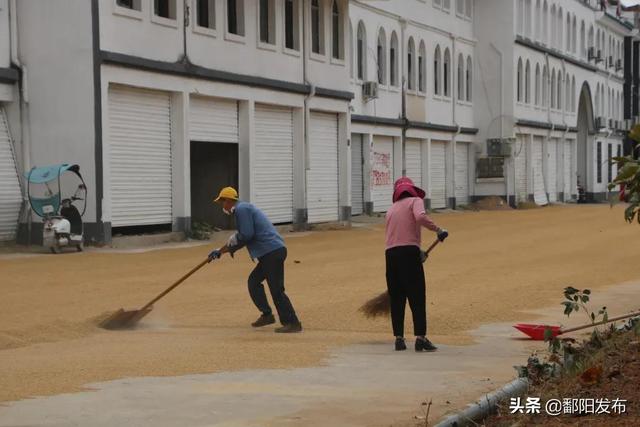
[485, 405]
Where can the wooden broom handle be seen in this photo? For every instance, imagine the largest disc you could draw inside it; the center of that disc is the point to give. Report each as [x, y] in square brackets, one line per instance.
[180, 280]
[433, 245]
[577, 328]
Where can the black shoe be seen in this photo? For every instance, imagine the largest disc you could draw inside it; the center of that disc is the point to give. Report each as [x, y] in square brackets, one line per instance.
[423, 344]
[290, 328]
[264, 320]
[400, 344]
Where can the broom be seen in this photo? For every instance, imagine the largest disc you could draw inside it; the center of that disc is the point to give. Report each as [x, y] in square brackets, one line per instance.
[381, 305]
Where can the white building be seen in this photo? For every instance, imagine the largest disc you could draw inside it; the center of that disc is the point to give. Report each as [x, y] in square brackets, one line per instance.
[312, 108]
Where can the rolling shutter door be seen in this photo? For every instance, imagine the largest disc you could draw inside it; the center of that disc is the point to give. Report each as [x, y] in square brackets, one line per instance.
[213, 120]
[273, 171]
[413, 153]
[462, 174]
[552, 175]
[438, 175]
[382, 173]
[322, 177]
[10, 192]
[357, 202]
[140, 156]
[520, 154]
[539, 194]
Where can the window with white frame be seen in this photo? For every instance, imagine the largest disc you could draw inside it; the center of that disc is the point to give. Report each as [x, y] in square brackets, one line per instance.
[267, 22]
[422, 68]
[235, 17]
[460, 78]
[468, 10]
[351, 57]
[436, 71]
[536, 89]
[520, 17]
[292, 24]
[538, 24]
[460, 8]
[411, 74]
[446, 73]
[382, 57]
[544, 87]
[206, 14]
[337, 44]
[573, 94]
[553, 26]
[527, 83]
[393, 60]
[583, 50]
[165, 8]
[567, 91]
[446, 5]
[519, 81]
[317, 27]
[469, 79]
[527, 18]
[559, 94]
[545, 23]
[361, 52]
[129, 4]
[553, 89]
[568, 36]
[574, 36]
[559, 30]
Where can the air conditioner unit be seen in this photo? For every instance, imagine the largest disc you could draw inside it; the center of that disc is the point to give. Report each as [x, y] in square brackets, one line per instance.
[499, 147]
[591, 53]
[370, 90]
[610, 61]
[616, 124]
[601, 123]
[599, 56]
[610, 123]
[619, 65]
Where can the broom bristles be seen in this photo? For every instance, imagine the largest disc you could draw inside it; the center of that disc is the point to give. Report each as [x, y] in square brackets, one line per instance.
[378, 306]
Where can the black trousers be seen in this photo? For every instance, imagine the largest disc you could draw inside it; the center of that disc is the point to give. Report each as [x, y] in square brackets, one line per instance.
[405, 280]
[271, 268]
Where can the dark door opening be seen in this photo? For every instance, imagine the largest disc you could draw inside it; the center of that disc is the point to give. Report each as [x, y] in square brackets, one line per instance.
[214, 166]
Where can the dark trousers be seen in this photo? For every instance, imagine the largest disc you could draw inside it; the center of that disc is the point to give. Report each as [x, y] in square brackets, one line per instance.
[405, 280]
[271, 268]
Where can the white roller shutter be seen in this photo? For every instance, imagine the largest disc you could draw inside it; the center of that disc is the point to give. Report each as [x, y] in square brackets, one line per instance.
[462, 174]
[10, 193]
[569, 184]
[357, 201]
[382, 173]
[552, 165]
[520, 154]
[273, 168]
[539, 193]
[438, 175]
[413, 163]
[213, 120]
[139, 156]
[322, 177]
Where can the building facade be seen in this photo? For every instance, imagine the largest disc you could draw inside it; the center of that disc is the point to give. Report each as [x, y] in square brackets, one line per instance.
[312, 108]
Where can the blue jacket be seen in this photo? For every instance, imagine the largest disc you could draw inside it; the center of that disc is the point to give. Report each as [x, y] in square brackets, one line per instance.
[255, 231]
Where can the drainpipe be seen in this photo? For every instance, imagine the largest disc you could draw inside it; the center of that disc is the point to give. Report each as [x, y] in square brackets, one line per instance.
[454, 101]
[501, 80]
[405, 124]
[24, 109]
[311, 94]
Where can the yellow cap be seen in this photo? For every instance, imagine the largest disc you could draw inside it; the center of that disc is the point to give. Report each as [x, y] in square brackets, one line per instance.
[227, 193]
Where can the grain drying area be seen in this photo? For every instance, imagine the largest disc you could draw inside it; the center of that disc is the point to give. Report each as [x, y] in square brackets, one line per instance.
[494, 267]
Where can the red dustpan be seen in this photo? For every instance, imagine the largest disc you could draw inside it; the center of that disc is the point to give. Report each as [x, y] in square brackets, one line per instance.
[536, 332]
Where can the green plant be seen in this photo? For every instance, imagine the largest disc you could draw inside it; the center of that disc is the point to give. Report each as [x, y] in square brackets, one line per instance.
[576, 299]
[628, 178]
[201, 230]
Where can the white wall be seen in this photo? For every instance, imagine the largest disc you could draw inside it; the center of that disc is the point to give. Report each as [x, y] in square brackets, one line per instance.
[5, 51]
[55, 46]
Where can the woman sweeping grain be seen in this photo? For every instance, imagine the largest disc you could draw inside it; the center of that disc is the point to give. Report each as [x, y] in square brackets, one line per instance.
[405, 275]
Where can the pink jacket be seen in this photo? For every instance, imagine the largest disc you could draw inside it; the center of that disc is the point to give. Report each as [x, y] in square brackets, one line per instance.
[404, 221]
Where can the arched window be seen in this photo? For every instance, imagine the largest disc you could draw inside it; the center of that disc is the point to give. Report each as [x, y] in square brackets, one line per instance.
[361, 52]
[436, 72]
[422, 68]
[545, 23]
[519, 81]
[538, 24]
[573, 94]
[553, 89]
[559, 30]
[382, 57]
[527, 18]
[350, 49]
[545, 86]
[527, 83]
[520, 17]
[583, 50]
[411, 64]
[553, 25]
[597, 106]
[568, 30]
[393, 60]
[574, 35]
[598, 48]
[446, 73]
[559, 94]
[469, 79]
[602, 112]
[460, 77]
[567, 90]
[536, 92]
[317, 28]
[337, 44]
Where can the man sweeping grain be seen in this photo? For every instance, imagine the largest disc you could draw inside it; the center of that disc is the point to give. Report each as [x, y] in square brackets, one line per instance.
[256, 232]
[405, 275]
